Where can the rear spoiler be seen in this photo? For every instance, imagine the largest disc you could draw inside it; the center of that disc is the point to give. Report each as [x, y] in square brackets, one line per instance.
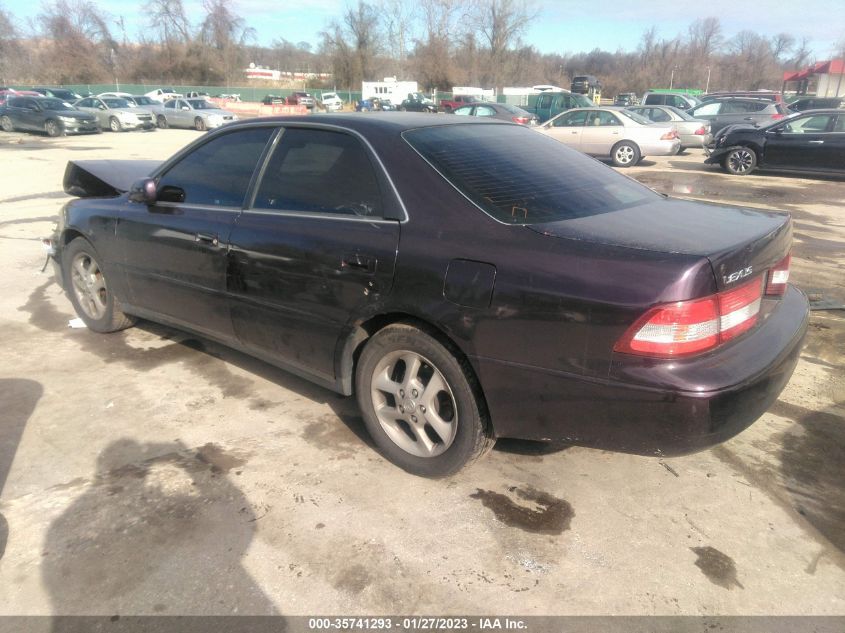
[104, 178]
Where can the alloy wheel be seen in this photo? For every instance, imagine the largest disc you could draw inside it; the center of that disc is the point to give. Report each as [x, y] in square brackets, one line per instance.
[89, 285]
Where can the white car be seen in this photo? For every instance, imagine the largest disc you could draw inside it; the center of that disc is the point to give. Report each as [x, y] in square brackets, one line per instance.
[163, 94]
[114, 95]
[193, 113]
[615, 133]
[331, 101]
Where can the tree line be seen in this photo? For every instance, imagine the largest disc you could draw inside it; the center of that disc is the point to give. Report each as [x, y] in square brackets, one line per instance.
[439, 43]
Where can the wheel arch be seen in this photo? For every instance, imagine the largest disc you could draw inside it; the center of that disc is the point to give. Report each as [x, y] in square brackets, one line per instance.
[350, 347]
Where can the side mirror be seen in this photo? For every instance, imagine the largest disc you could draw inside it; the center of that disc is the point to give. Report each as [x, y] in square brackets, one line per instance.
[143, 191]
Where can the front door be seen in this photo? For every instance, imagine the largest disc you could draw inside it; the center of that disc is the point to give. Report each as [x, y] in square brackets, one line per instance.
[602, 130]
[175, 251]
[314, 251]
[801, 143]
[568, 127]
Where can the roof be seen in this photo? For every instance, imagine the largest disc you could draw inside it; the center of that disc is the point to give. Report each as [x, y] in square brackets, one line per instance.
[830, 67]
[366, 121]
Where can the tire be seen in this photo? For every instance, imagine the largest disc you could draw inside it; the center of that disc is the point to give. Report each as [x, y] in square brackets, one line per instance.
[199, 124]
[52, 128]
[421, 404]
[6, 124]
[88, 289]
[625, 154]
[161, 122]
[114, 124]
[740, 161]
[447, 109]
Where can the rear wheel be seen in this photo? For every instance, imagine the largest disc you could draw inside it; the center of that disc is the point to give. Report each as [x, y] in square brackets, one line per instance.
[740, 161]
[6, 124]
[625, 154]
[89, 290]
[114, 124]
[53, 128]
[161, 122]
[421, 404]
[199, 124]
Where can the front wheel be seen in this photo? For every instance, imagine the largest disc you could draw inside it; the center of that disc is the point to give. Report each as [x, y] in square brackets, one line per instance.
[625, 154]
[89, 290]
[420, 403]
[161, 122]
[52, 128]
[114, 124]
[199, 124]
[6, 124]
[740, 161]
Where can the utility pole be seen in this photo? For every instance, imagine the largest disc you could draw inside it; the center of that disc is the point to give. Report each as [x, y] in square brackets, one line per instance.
[707, 87]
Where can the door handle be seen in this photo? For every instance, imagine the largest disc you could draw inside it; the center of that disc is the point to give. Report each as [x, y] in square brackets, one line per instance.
[207, 238]
[816, 142]
[748, 118]
[359, 263]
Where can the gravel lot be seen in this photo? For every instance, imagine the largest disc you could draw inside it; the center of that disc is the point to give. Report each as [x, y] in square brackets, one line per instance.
[152, 472]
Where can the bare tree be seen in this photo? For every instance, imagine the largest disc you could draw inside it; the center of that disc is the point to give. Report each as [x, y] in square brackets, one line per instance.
[8, 35]
[223, 36]
[705, 37]
[782, 44]
[168, 18]
[501, 23]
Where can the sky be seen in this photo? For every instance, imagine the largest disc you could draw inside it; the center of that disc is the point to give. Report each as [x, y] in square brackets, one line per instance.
[562, 26]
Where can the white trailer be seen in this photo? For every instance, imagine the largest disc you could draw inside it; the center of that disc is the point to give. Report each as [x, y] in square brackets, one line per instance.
[395, 91]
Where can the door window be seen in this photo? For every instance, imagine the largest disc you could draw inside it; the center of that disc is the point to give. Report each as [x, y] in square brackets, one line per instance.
[464, 111]
[659, 115]
[708, 109]
[544, 101]
[484, 111]
[603, 118]
[217, 173]
[839, 126]
[572, 119]
[808, 125]
[170, 105]
[320, 171]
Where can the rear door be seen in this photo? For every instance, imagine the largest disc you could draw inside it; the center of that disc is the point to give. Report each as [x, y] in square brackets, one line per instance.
[315, 250]
[175, 251]
[834, 145]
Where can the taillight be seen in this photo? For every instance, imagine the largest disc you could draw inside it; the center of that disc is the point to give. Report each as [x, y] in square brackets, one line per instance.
[778, 276]
[701, 131]
[672, 134]
[778, 116]
[688, 327]
[521, 119]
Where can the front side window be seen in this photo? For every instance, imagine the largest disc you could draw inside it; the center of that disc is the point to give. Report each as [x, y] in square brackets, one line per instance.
[216, 173]
[320, 171]
[463, 111]
[707, 109]
[571, 119]
[485, 111]
[808, 125]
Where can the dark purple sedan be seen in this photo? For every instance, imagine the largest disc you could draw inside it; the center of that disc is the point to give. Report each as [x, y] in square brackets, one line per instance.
[466, 280]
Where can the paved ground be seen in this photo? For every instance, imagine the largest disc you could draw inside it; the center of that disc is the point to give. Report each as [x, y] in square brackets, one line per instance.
[151, 472]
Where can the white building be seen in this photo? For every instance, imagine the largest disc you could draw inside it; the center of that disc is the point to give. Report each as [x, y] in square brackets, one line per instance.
[395, 91]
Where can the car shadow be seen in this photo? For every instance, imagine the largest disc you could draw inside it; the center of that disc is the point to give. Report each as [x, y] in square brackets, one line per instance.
[18, 398]
[160, 529]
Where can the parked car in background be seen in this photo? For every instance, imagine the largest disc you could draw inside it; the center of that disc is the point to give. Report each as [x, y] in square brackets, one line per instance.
[731, 110]
[303, 99]
[500, 111]
[551, 103]
[331, 101]
[45, 114]
[766, 95]
[193, 113]
[674, 99]
[448, 105]
[145, 102]
[274, 100]
[193, 94]
[692, 132]
[5, 94]
[815, 103]
[116, 114]
[115, 95]
[585, 308]
[626, 99]
[59, 93]
[812, 142]
[615, 133]
[163, 94]
[418, 102]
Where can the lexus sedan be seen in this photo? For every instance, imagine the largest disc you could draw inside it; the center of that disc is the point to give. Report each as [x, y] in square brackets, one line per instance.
[465, 279]
[117, 114]
[45, 114]
[811, 142]
[692, 132]
[621, 135]
[192, 113]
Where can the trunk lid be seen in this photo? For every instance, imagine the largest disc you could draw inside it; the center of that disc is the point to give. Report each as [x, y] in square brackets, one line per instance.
[739, 243]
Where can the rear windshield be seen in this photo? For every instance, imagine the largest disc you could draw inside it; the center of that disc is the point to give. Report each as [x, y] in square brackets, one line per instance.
[519, 176]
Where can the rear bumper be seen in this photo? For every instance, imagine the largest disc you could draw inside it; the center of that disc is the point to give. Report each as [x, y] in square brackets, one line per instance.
[695, 140]
[648, 406]
[661, 148]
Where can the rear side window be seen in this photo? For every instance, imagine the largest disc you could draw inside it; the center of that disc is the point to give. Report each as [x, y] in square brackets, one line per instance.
[218, 173]
[320, 171]
[519, 176]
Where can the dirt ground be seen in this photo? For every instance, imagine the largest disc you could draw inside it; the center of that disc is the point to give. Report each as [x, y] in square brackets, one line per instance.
[152, 472]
